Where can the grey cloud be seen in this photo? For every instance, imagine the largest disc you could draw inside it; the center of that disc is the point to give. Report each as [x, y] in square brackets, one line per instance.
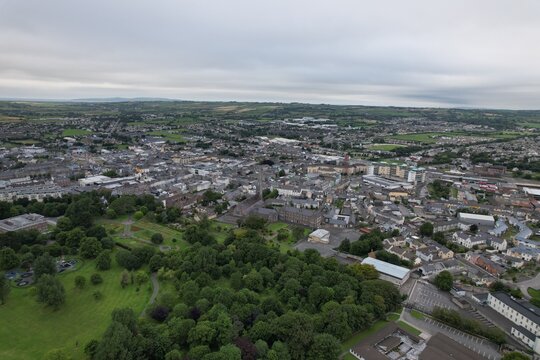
[418, 52]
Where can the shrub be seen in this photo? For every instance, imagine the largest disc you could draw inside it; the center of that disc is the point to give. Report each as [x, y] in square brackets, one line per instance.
[80, 281]
[96, 279]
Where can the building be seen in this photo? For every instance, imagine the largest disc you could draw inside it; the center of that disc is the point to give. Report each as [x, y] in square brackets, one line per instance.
[395, 274]
[320, 236]
[304, 217]
[476, 219]
[524, 315]
[23, 222]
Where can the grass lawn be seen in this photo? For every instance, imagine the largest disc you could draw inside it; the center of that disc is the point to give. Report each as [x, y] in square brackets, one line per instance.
[384, 147]
[535, 293]
[168, 135]
[409, 328]
[75, 132]
[285, 245]
[144, 229]
[220, 230]
[30, 329]
[356, 338]
[417, 314]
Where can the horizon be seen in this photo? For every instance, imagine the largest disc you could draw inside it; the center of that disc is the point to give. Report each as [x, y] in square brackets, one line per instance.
[418, 54]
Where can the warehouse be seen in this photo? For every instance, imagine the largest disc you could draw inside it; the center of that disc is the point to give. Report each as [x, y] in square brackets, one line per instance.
[397, 275]
[476, 219]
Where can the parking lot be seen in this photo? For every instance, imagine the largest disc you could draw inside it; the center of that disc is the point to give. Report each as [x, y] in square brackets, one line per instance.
[476, 344]
[425, 297]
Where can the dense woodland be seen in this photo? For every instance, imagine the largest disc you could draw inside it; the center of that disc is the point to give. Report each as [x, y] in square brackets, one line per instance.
[240, 299]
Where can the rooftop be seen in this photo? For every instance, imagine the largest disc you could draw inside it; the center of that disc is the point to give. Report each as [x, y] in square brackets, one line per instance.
[387, 268]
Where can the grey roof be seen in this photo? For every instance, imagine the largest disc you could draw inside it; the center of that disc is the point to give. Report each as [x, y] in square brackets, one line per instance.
[526, 309]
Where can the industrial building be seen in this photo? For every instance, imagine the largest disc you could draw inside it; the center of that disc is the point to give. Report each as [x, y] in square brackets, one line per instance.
[395, 274]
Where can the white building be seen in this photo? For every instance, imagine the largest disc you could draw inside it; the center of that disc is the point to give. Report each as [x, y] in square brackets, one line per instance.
[524, 315]
[320, 236]
[476, 219]
[397, 275]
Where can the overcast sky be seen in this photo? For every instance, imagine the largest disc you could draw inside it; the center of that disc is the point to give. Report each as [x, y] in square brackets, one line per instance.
[474, 53]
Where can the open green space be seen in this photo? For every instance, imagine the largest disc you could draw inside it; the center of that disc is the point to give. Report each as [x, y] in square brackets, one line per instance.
[75, 132]
[284, 245]
[169, 135]
[433, 137]
[384, 147]
[417, 314]
[31, 329]
[409, 328]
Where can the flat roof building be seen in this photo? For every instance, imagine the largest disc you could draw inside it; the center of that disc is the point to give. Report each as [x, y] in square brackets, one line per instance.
[23, 222]
[320, 236]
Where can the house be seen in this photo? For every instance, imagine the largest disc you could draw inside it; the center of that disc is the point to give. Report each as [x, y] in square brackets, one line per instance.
[497, 243]
[465, 239]
[525, 253]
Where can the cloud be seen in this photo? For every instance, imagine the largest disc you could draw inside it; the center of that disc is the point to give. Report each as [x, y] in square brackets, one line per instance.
[417, 53]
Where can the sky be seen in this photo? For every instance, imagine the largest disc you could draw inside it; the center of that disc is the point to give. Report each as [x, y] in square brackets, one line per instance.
[442, 53]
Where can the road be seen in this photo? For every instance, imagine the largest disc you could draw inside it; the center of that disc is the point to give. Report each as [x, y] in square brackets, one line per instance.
[155, 291]
[481, 346]
[533, 283]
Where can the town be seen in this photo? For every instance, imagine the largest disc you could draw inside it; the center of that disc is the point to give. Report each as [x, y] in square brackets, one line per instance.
[443, 203]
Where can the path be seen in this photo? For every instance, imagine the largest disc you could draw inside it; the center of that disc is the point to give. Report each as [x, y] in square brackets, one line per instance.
[155, 291]
[533, 283]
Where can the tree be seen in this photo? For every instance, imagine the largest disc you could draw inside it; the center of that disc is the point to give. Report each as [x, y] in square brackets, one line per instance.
[103, 260]
[426, 229]
[439, 237]
[50, 291]
[473, 228]
[44, 264]
[138, 215]
[325, 347]
[127, 260]
[365, 271]
[4, 288]
[8, 259]
[90, 247]
[444, 280]
[157, 238]
[96, 279]
[118, 342]
[80, 282]
[141, 277]
[124, 279]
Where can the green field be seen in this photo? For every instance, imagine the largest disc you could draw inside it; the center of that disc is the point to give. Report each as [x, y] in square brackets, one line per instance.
[286, 245]
[75, 132]
[384, 147]
[432, 137]
[409, 328]
[30, 329]
[168, 135]
[417, 314]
